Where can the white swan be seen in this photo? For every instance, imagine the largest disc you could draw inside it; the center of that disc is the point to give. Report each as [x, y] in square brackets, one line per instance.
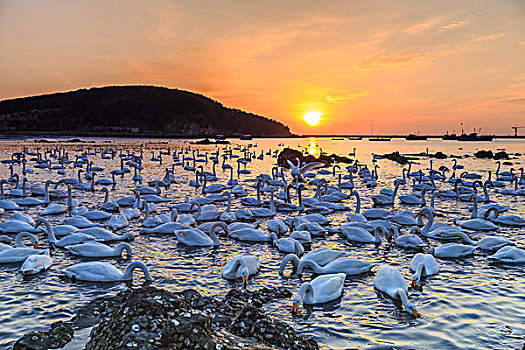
[54, 209]
[375, 213]
[194, 237]
[298, 171]
[107, 205]
[357, 216]
[252, 235]
[390, 281]
[99, 250]
[413, 199]
[476, 224]
[452, 250]
[227, 216]
[509, 220]
[208, 215]
[16, 226]
[381, 199]
[289, 245]
[241, 266]
[277, 226]
[348, 266]
[36, 263]
[167, 228]
[410, 240]
[321, 257]
[96, 215]
[97, 271]
[423, 265]
[80, 222]
[357, 234]
[118, 221]
[509, 255]
[7, 204]
[19, 243]
[320, 290]
[104, 235]
[74, 238]
[17, 255]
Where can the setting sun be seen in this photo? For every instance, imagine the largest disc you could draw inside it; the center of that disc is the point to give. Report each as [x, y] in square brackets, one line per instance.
[312, 118]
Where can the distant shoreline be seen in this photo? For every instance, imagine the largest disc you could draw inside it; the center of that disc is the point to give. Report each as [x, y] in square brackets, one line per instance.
[44, 134]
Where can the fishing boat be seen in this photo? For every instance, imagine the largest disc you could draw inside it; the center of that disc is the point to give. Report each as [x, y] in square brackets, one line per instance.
[355, 138]
[473, 136]
[379, 139]
[414, 137]
[448, 136]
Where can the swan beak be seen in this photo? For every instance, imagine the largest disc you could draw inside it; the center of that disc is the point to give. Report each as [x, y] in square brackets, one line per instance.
[245, 280]
[418, 213]
[36, 245]
[415, 313]
[294, 307]
[439, 234]
[192, 205]
[414, 283]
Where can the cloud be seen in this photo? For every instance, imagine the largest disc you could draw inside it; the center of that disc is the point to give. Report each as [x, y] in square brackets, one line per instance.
[457, 24]
[513, 100]
[486, 37]
[421, 27]
[345, 95]
[387, 59]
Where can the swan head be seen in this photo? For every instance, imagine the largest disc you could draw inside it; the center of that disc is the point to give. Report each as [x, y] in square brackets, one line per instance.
[411, 309]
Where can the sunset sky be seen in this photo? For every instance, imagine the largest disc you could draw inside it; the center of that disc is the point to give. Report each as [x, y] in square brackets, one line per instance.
[405, 66]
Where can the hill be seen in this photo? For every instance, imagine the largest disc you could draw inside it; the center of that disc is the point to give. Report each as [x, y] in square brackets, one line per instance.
[132, 109]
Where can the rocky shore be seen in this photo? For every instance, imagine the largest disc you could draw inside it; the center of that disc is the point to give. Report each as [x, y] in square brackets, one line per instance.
[153, 318]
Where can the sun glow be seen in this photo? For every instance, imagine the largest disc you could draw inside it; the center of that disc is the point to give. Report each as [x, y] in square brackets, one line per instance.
[312, 118]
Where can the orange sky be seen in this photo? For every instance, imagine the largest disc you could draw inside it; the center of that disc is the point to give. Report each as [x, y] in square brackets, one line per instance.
[404, 66]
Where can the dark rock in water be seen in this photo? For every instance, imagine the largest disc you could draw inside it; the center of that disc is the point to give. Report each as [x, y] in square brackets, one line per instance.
[57, 337]
[517, 154]
[507, 163]
[396, 157]
[292, 155]
[207, 141]
[501, 155]
[438, 155]
[484, 154]
[152, 318]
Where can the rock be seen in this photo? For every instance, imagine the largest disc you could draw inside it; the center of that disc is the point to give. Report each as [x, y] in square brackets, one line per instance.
[501, 155]
[57, 337]
[484, 154]
[507, 163]
[438, 155]
[292, 155]
[152, 318]
[396, 157]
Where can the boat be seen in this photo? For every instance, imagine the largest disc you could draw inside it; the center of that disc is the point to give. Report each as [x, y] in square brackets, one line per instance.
[473, 136]
[379, 139]
[448, 136]
[338, 138]
[220, 137]
[413, 137]
[355, 138]
[246, 137]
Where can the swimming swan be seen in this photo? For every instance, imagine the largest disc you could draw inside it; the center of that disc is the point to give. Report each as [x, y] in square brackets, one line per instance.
[99, 250]
[320, 290]
[36, 263]
[97, 271]
[423, 265]
[241, 266]
[348, 266]
[390, 281]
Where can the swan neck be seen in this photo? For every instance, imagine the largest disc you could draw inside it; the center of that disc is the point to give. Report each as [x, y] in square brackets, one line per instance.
[136, 265]
[294, 259]
[311, 264]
